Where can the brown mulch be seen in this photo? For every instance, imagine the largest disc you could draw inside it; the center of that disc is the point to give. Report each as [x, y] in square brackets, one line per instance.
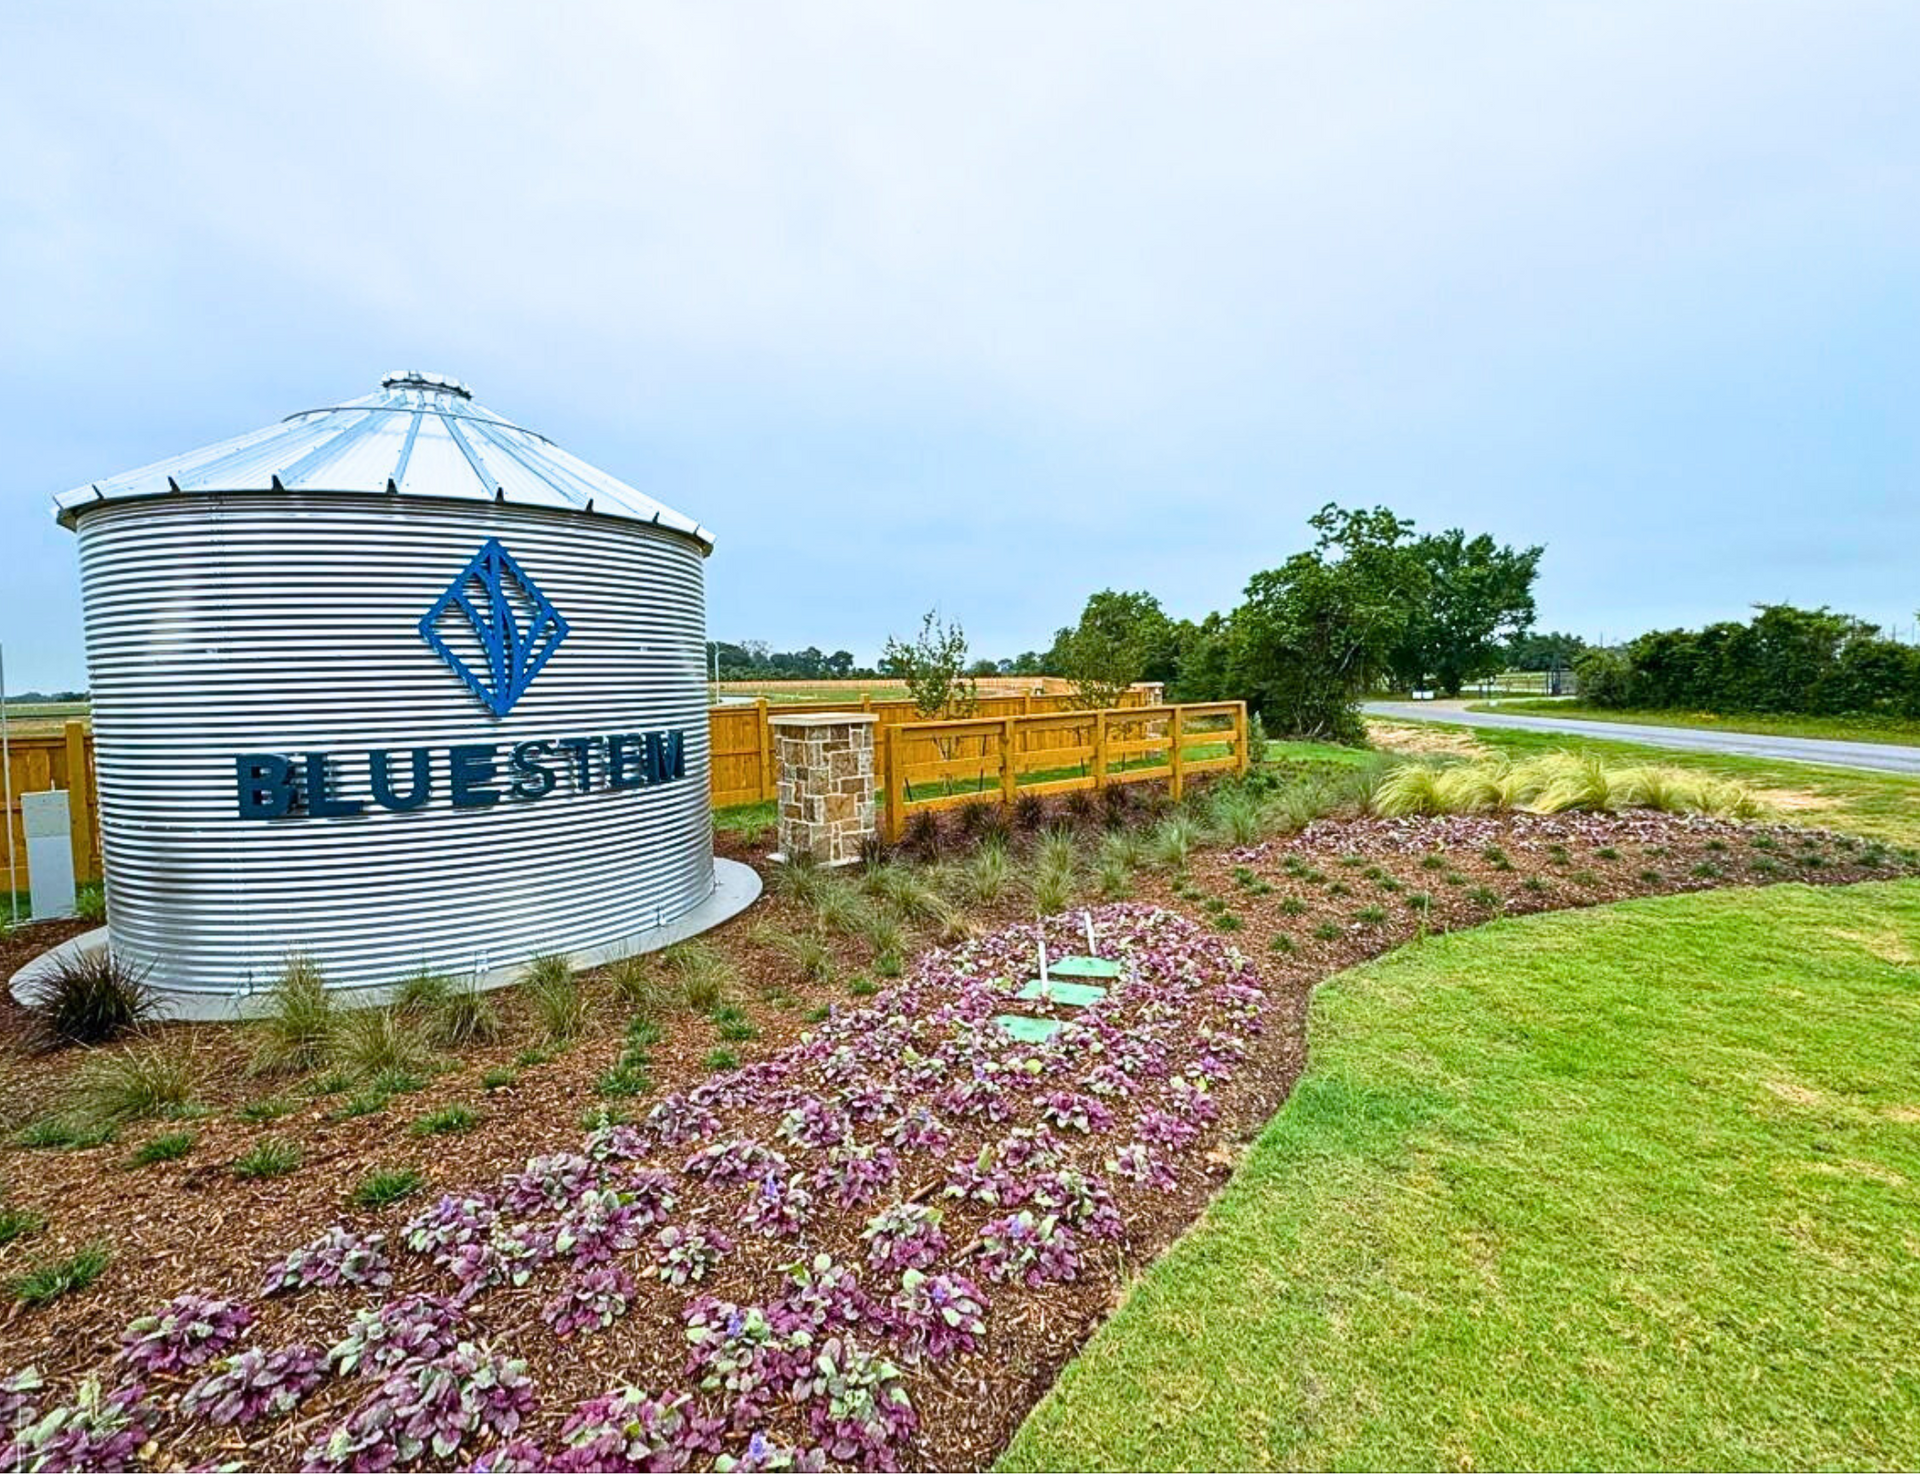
[190, 1225]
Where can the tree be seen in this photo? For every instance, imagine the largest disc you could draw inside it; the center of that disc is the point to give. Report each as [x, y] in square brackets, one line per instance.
[1478, 594]
[1318, 632]
[933, 667]
[1108, 650]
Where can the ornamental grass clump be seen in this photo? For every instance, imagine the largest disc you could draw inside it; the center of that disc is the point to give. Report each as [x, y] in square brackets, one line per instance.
[553, 993]
[1556, 783]
[297, 1027]
[90, 997]
[136, 1082]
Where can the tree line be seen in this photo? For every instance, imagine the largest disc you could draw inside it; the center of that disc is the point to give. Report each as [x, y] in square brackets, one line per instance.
[1373, 602]
[1812, 662]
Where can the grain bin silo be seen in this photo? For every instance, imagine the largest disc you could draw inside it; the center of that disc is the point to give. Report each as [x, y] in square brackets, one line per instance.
[398, 684]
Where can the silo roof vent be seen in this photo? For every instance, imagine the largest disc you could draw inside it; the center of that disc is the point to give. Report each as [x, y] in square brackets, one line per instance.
[421, 434]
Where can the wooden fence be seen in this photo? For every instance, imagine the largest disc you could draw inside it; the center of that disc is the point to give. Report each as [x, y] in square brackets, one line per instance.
[742, 753]
[937, 765]
[742, 770]
[36, 764]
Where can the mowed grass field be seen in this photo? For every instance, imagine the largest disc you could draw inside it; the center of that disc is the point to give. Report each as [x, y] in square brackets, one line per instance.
[1837, 729]
[1632, 1187]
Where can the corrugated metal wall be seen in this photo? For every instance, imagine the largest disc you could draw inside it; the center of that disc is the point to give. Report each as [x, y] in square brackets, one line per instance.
[219, 625]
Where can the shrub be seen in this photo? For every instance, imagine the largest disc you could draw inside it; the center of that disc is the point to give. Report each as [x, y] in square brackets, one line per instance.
[62, 1277]
[90, 997]
[554, 995]
[136, 1082]
[169, 1147]
[297, 1027]
[90, 902]
[269, 1157]
[384, 1186]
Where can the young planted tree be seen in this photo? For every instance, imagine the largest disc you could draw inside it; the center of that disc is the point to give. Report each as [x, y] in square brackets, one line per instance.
[934, 668]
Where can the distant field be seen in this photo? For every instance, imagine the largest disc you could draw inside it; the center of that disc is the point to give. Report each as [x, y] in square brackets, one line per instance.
[41, 719]
[1837, 729]
[825, 691]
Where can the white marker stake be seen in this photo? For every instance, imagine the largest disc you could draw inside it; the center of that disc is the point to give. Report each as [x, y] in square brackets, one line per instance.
[1092, 950]
[1041, 943]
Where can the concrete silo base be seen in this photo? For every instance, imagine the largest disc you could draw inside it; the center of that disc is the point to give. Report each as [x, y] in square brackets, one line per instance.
[735, 887]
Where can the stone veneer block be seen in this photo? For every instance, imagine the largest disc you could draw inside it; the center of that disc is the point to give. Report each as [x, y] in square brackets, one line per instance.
[825, 784]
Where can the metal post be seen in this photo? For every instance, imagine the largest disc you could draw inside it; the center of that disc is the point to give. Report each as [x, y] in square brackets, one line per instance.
[6, 812]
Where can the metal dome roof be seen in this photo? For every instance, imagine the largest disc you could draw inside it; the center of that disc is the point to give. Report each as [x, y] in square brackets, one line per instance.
[420, 435]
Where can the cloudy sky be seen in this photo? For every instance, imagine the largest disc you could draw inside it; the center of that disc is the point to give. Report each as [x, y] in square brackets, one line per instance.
[994, 305]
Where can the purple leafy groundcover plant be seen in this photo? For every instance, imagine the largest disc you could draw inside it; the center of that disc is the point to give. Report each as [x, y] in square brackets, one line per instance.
[548, 1183]
[905, 1236]
[591, 1301]
[856, 1405]
[256, 1384]
[939, 1315]
[94, 1431]
[412, 1328]
[1036, 1251]
[684, 1255]
[429, 1406]
[185, 1332]
[871, 1099]
[338, 1257]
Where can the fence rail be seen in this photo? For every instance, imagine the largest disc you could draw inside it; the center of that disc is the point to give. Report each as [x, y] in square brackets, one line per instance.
[937, 765]
[742, 751]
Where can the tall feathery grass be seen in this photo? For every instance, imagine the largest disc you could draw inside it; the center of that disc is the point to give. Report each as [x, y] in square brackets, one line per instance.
[1556, 783]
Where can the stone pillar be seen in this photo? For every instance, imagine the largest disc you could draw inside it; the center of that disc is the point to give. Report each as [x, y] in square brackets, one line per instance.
[824, 774]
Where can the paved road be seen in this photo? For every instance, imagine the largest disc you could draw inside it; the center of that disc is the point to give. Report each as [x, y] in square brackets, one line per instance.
[1880, 757]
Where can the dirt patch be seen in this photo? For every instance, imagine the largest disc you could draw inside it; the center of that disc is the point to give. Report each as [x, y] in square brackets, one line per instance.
[1423, 741]
[1301, 908]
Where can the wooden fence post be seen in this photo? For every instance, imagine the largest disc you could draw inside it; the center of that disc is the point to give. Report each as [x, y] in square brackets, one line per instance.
[1100, 749]
[79, 802]
[1178, 784]
[896, 818]
[767, 788]
[1240, 735]
[1009, 772]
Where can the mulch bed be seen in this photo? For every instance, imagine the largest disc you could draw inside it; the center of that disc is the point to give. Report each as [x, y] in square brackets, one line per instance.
[1339, 893]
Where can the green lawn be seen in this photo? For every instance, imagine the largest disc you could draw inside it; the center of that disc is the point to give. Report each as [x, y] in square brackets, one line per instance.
[1624, 1188]
[1838, 729]
[1881, 805]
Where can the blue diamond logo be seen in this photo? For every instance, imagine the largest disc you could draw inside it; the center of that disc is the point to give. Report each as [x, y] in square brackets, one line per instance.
[494, 628]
